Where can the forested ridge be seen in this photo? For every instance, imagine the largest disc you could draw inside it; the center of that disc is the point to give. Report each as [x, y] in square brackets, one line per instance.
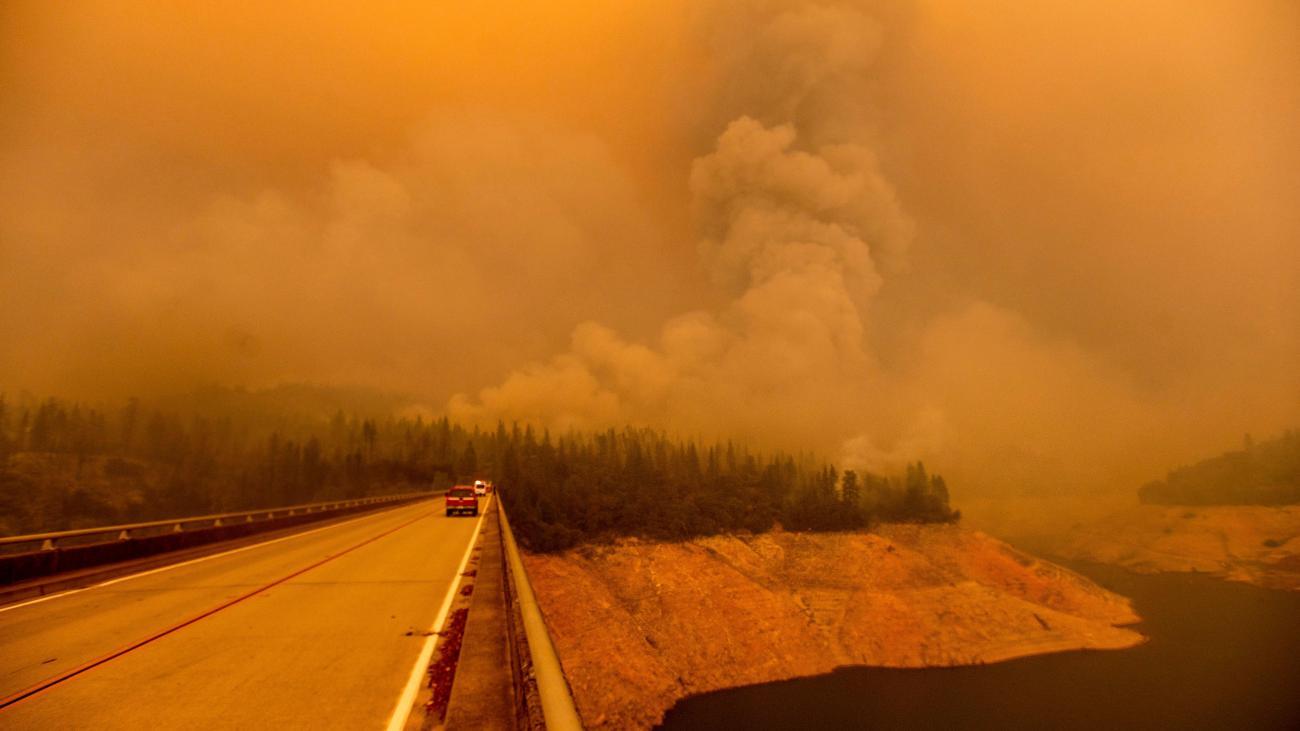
[641, 483]
[1263, 473]
[66, 465]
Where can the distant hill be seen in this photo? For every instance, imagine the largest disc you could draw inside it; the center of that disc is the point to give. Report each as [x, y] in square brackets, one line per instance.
[64, 464]
[1264, 473]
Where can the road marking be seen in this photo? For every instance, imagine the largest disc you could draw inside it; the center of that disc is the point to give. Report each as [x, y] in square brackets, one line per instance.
[397, 720]
[191, 562]
[69, 674]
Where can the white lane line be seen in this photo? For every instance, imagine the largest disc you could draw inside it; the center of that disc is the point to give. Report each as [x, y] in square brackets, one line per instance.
[397, 720]
[191, 562]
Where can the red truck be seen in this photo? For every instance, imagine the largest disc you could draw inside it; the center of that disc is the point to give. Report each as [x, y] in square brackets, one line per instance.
[461, 499]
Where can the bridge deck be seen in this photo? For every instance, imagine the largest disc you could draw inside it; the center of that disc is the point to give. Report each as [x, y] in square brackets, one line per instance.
[321, 630]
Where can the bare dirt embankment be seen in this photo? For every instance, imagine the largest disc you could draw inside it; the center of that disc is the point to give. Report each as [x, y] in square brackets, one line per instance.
[1254, 544]
[640, 625]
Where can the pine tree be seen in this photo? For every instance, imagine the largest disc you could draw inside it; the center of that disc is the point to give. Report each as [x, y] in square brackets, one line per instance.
[4, 431]
[467, 467]
[850, 493]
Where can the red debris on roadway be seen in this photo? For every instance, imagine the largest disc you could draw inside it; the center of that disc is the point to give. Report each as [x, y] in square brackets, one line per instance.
[444, 668]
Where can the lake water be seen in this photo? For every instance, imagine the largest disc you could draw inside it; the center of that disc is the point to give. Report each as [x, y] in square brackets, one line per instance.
[1221, 656]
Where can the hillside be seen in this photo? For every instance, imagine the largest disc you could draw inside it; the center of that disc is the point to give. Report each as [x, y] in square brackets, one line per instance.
[65, 464]
[1248, 543]
[44, 491]
[1261, 473]
[723, 611]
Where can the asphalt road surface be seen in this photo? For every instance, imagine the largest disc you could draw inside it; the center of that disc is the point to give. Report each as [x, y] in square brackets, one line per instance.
[321, 629]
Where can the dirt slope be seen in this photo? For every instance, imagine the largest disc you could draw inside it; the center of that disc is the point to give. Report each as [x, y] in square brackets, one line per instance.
[640, 625]
[1250, 543]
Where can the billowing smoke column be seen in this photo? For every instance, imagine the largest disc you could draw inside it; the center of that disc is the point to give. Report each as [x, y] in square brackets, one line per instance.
[802, 232]
[798, 232]
[950, 231]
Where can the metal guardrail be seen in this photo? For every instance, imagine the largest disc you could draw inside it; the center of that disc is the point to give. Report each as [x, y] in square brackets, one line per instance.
[557, 700]
[49, 541]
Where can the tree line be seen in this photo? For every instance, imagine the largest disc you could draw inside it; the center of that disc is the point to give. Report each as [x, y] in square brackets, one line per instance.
[66, 465]
[638, 482]
[1264, 473]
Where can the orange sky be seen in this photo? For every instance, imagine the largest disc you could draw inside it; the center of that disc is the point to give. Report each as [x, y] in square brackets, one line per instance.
[428, 198]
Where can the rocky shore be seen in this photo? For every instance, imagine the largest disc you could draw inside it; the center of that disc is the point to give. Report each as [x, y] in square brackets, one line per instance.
[640, 625]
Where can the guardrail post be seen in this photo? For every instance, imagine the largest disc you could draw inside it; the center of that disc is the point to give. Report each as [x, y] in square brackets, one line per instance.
[125, 535]
[177, 528]
[47, 544]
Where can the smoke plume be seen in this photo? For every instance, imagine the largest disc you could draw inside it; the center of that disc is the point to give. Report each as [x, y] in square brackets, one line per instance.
[800, 226]
[1041, 246]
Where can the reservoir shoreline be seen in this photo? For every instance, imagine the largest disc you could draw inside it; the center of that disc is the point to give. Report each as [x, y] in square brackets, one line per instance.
[1220, 655]
[727, 611]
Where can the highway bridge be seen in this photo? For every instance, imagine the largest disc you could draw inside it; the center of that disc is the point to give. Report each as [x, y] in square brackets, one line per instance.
[327, 622]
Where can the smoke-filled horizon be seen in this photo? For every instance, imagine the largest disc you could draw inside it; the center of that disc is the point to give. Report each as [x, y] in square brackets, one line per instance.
[1043, 248]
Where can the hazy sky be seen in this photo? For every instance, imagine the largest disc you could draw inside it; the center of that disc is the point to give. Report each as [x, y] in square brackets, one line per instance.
[1038, 244]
